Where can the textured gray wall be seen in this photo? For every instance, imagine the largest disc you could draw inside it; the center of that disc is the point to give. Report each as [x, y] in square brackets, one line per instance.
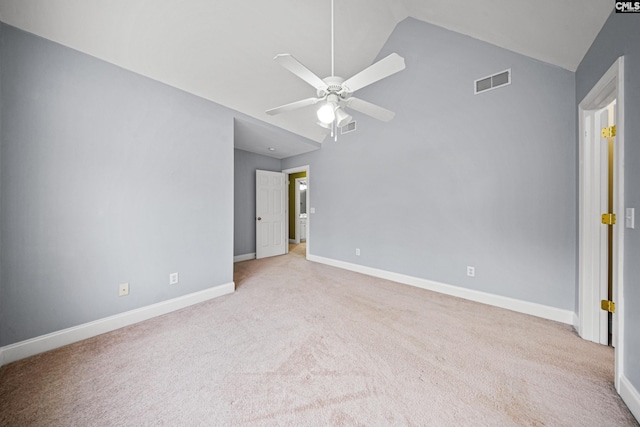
[620, 36]
[245, 165]
[106, 177]
[456, 179]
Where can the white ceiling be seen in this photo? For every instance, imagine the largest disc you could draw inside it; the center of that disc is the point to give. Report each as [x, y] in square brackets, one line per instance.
[223, 50]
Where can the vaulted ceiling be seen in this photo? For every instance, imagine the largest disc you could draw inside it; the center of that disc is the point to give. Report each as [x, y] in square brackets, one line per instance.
[223, 50]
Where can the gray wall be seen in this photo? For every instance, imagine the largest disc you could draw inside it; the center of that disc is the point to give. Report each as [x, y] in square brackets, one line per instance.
[620, 36]
[245, 165]
[456, 179]
[1, 139]
[106, 177]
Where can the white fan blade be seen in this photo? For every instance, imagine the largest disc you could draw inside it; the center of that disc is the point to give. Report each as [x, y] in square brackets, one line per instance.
[370, 109]
[293, 65]
[293, 106]
[378, 71]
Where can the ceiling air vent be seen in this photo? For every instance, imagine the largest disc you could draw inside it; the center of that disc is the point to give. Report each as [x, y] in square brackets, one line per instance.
[349, 127]
[492, 82]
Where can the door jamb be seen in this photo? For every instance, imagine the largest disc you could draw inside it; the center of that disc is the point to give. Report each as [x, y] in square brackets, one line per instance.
[610, 86]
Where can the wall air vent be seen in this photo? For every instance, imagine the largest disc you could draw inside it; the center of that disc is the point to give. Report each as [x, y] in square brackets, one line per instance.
[484, 84]
[349, 127]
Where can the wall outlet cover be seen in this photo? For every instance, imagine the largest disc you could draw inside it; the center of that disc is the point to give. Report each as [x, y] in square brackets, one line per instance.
[123, 289]
[173, 279]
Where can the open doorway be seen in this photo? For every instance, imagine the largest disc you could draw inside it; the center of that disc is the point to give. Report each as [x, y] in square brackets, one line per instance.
[300, 210]
[300, 230]
[601, 214]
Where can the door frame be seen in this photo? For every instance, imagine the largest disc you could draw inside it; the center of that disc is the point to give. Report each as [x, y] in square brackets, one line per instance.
[609, 87]
[298, 236]
[290, 171]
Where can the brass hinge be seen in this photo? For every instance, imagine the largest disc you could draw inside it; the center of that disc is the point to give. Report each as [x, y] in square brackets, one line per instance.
[609, 218]
[609, 306]
[609, 132]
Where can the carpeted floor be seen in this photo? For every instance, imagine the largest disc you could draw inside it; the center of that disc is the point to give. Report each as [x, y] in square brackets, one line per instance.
[303, 344]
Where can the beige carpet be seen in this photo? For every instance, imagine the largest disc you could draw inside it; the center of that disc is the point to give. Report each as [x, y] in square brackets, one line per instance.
[302, 344]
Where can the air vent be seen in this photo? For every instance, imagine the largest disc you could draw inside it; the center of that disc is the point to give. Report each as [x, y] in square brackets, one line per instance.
[492, 82]
[349, 127]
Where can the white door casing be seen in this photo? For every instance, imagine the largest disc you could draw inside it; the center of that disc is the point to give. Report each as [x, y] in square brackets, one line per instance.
[271, 213]
[604, 118]
[590, 322]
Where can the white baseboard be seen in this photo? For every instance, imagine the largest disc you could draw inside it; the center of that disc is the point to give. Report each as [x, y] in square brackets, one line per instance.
[245, 257]
[630, 396]
[57, 339]
[534, 309]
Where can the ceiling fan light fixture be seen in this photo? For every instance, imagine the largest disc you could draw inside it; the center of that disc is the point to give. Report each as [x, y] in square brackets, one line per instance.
[326, 113]
[342, 118]
[333, 93]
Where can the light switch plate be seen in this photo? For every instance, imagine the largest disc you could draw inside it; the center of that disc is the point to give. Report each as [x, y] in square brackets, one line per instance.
[630, 218]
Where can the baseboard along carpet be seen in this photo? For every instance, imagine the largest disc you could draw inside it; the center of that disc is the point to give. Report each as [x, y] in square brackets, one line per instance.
[305, 344]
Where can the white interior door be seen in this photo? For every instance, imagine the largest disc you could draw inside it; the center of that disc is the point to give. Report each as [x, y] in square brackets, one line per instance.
[271, 213]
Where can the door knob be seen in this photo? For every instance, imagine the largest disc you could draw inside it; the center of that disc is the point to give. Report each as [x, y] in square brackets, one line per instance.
[259, 218]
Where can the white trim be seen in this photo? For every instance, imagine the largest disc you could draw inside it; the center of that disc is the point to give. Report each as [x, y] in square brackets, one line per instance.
[609, 87]
[534, 309]
[576, 323]
[630, 396]
[618, 250]
[245, 257]
[57, 339]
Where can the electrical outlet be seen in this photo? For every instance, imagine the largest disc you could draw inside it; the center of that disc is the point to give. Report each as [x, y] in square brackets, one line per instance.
[471, 271]
[173, 278]
[123, 290]
[357, 251]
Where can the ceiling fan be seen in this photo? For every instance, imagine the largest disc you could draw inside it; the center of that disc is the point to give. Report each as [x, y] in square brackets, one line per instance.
[335, 93]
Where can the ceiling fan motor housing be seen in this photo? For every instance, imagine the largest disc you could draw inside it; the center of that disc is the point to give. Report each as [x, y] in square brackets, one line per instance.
[334, 85]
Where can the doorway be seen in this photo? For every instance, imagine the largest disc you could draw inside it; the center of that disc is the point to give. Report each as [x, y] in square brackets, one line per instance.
[291, 176]
[600, 263]
[300, 210]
